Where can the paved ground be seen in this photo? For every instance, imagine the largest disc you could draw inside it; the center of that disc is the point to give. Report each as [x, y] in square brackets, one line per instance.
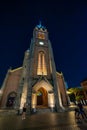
[44, 121]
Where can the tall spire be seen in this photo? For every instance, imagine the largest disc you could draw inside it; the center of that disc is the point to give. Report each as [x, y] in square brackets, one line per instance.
[40, 25]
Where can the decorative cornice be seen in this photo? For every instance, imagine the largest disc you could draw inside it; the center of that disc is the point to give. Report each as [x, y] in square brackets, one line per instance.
[16, 69]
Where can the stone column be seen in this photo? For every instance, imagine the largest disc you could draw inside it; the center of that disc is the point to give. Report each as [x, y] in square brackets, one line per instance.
[51, 101]
[34, 102]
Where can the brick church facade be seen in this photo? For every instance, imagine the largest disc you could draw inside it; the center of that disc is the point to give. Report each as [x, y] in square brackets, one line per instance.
[37, 82]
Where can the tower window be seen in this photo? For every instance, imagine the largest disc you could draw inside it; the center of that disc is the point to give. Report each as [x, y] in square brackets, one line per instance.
[41, 69]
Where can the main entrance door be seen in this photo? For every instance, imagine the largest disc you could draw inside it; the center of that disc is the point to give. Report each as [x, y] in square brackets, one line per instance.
[42, 97]
[39, 98]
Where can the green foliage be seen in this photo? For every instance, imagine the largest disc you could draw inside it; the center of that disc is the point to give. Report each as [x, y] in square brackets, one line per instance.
[79, 97]
[75, 91]
[78, 93]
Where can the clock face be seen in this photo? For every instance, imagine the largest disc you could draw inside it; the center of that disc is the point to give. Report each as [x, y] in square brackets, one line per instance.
[41, 43]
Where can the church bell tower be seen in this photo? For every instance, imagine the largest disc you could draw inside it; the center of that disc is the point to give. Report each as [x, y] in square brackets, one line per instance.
[39, 78]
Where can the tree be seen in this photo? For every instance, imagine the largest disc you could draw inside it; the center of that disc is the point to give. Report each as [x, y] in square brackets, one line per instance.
[74, 91]
[79, 97]
[78, 93]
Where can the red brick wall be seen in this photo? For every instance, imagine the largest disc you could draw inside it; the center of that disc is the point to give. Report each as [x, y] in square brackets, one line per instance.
[11, 85]
[62, 89]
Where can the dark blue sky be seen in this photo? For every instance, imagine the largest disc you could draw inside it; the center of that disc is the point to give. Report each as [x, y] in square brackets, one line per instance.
[67, 26]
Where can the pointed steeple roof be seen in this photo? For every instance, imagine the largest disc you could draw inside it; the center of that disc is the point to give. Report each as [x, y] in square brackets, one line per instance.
[39, 26]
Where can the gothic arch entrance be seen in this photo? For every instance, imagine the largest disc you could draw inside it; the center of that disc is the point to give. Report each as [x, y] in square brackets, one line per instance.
[42, 97]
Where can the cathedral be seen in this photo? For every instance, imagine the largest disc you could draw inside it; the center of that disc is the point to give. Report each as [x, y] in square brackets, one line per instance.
[37, 82]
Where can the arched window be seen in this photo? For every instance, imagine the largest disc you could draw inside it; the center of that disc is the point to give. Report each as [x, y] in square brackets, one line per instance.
[11, 99]
[41, 69]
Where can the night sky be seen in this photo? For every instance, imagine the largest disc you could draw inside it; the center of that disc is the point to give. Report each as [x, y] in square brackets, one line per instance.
[66, 23]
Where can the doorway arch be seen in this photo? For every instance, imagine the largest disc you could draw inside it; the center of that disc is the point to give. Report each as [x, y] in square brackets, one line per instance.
[40, 95]
[11, 100]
